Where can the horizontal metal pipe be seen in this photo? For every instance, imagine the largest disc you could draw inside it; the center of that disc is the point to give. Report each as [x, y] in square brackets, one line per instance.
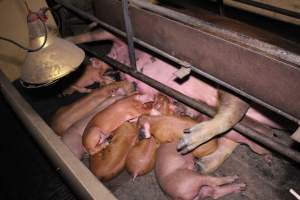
[184, 19]
[270, 8]
[82, 181]
[243, 127]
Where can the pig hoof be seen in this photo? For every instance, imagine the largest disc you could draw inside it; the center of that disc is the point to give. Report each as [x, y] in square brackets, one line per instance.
[199, 165]
[194, 137]
[183, 143]
[187, 131]
[186, 144]
[238, 187]
[221, 191]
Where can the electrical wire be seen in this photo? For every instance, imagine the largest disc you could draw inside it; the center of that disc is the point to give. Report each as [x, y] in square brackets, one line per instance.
[26, 48]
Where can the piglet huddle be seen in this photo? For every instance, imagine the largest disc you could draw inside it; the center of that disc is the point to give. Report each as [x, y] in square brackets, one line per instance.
[120, 128]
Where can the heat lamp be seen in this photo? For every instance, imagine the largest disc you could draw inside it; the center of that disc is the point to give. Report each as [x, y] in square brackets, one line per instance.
[49, 57]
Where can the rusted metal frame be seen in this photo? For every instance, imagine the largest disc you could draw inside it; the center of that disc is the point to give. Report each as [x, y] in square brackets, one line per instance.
[270, 8]
[129, 33]
[221, 56]
[82, 181]
[243, 127]
[188, 20]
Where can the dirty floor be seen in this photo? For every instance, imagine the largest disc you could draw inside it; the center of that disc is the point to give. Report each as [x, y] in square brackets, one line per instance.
[263, 181]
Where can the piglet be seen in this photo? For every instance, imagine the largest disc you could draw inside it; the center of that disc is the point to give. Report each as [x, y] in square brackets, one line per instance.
[179, 180]
[170, 128]
[105, 122]
[65, 116]
[141, 157]
[93, 73]
[72, 137]
[164, 105]
[111, 161]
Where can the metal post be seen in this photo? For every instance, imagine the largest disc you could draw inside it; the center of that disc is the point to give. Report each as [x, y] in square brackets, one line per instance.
[128, 28]
[221, 7]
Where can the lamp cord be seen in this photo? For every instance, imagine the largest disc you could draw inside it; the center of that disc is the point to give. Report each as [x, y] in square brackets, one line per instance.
[45, 33]
[26, 48]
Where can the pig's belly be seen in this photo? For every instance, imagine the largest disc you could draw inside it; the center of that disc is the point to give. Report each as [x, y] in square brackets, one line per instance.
[193, 87]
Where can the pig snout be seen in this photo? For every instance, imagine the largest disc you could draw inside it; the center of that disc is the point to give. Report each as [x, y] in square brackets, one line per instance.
[95, 140]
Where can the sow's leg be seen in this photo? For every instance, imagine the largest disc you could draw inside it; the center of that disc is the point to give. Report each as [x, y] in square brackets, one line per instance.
[226, 145]
[213, 161]
[230, 111]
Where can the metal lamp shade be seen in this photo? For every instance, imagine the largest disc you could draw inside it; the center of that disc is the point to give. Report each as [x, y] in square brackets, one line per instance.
[57, 59]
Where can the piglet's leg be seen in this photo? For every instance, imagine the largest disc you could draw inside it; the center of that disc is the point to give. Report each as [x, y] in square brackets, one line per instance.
[231, 110]
[217, 181]
[220, 191]
[213, 161]
[81, 89]
[234, 136]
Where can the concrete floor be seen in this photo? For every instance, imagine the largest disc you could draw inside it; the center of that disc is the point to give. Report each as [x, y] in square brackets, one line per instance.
[263, 181]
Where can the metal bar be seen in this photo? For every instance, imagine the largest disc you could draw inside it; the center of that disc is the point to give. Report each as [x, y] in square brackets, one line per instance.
[185, 19]
[128, 28]
[84, 183]
[221, 7]
[270, 8]
[242, 127]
